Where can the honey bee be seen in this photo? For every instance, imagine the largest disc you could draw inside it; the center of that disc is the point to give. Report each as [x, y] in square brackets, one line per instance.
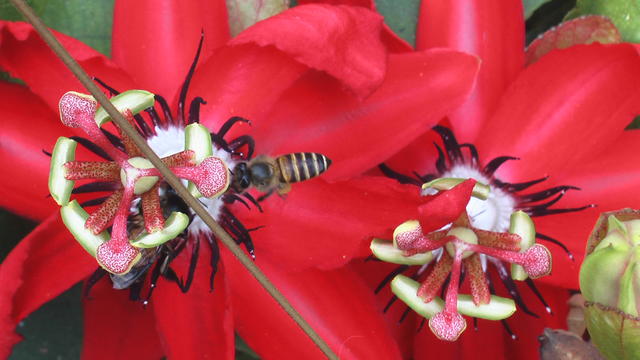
[269, 174]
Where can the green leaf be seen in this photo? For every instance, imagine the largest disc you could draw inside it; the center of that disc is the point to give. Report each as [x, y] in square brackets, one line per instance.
[243, 351]
[88, 21]
[625, 15]
[532, 5]
[401, 16]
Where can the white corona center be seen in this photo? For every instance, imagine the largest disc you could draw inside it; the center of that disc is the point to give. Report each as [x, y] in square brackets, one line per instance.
[171, 141]
[492, 214]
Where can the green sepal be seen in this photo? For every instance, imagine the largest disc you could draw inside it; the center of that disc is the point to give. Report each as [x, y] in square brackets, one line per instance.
[406, 289]
[498, 308]
[59, 187]
[198, 139]
[601, 272]
[174, 225]
[615, 334]
[614, 224]
[385, 251]
[480, 190]
[74, 217]
[134, 100]
[522, 225]
[628, 288]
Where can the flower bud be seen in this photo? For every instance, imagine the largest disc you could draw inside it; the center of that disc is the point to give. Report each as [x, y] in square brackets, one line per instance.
[610, 284]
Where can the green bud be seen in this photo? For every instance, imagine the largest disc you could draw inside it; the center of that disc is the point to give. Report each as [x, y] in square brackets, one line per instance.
[624, 14]
[610, 284]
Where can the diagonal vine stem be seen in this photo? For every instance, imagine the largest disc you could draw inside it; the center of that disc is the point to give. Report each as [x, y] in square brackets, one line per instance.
[182, 191]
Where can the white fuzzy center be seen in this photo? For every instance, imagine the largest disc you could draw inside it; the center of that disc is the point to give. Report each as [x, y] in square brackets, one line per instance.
[171, 141]
[492, 214]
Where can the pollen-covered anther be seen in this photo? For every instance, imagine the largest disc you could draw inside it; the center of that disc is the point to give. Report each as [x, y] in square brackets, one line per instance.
[211, 176]
[117, 257]
[447, 325]
[77, 110]
[407, 234]
[537, 261]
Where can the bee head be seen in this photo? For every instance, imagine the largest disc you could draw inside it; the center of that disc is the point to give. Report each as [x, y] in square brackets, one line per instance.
[241, 177]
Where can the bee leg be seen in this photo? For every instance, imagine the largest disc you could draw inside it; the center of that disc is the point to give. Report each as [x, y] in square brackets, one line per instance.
[136, 288]
[240, 233]
[241, 141]
[283, 189]
[92, 280]
[231, 198]
[215, 258]
[253, 200]
[155, 275]
[266, 195]
[171, 275]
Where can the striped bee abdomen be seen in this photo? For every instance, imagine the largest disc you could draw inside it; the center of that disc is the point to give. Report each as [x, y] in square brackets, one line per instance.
[301, 166]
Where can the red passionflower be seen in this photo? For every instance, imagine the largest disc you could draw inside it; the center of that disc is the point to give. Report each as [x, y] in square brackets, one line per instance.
[563, 117]
[322, 57]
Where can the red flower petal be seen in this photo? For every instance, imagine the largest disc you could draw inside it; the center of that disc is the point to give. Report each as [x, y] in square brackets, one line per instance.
[25, 56]
[419, 156]
[393, 42]
[233, 83]
[196, 324]
[445, 207]
[326, 225]
[583, 30]
[373, 273]
[357, 135]
[28, 128]
[340, 40]
[592, 99]
[610, 181]
[156, 41]
[492, 30]
[116, 327]
[42, 266]
[337, 304]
